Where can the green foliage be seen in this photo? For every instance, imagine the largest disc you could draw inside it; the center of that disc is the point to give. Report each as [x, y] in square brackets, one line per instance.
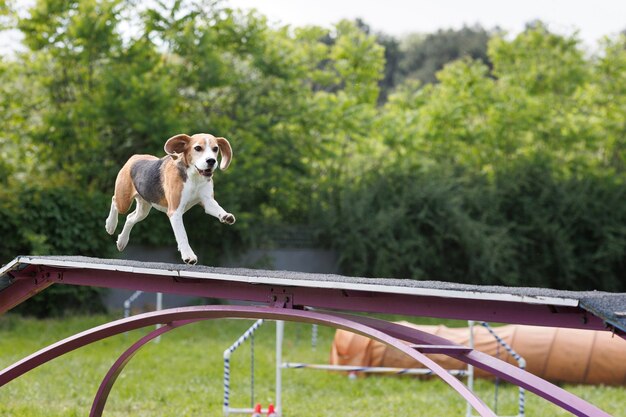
[425, 55]
[540, 62]
[528, 227]
[473, 119]
[191, 68]
[399, 223]
[506, 177]
[54, 221]
[7, 14]
[568, 232]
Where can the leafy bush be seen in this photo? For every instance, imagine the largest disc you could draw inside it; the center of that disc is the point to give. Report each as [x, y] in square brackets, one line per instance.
[527, 227]
[567, 233]
[410, 224]
[55, 221]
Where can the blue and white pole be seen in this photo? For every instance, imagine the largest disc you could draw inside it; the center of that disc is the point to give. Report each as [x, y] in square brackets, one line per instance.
[521, 362]
[227, 354]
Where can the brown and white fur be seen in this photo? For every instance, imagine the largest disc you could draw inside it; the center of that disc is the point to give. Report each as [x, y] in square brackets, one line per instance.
[172, 184]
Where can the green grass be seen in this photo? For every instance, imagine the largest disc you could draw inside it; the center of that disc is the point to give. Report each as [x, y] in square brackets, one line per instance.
[182, 376]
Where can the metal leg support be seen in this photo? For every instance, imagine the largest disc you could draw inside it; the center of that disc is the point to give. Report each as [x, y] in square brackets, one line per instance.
[497, 367]
[382, 331]
[117, 368]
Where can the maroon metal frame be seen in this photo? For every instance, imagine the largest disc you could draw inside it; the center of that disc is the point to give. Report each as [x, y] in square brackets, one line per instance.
[385, 332]
[290, 303]
[36, 278]
[107, 383]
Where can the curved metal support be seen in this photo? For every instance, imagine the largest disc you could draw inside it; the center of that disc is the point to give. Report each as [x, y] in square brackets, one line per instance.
[385, 332]
[215, 312]
[107, 383]
[497, 367]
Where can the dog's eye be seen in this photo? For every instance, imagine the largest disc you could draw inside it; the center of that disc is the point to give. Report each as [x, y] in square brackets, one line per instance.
[215, 149]
[198, 148]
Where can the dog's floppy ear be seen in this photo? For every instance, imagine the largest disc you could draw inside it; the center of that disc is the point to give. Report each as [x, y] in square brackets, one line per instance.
[176, 145]
[227, 152]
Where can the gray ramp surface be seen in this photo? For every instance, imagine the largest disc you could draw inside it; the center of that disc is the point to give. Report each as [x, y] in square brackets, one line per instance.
[610, 307]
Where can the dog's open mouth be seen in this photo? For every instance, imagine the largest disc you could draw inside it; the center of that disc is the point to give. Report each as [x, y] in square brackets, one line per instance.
[205, 172]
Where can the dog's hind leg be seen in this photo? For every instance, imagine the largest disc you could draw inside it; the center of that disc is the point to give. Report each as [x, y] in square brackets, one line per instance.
[141, 211]
[111, 223]
[122, 197]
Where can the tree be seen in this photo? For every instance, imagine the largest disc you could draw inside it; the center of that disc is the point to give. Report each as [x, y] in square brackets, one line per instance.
[196, 67]
[512, 176]
[501, 166]
[424, 55]
[393, 56]
[7, 15]
[70, 42]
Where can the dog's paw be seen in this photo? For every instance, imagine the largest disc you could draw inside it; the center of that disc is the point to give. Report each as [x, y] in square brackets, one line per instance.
[121, 243]
[110, 227]
[228, 218]
[189, 257]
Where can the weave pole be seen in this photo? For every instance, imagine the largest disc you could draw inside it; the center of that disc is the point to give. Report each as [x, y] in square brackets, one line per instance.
[129, 301]
[227, 354]
[521, 362]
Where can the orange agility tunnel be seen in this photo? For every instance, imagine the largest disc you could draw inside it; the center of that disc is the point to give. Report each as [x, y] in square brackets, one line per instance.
[555, 354]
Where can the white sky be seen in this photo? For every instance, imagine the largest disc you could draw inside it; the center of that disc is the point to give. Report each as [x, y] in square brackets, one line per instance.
[593, 18]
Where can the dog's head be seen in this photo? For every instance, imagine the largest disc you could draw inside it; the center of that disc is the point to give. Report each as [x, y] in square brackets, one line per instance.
[200, 151]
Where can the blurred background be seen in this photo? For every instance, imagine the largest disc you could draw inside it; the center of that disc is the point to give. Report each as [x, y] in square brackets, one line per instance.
[448, 146]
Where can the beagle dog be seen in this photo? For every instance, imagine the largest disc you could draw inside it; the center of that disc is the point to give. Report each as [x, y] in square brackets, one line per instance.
[172, 184]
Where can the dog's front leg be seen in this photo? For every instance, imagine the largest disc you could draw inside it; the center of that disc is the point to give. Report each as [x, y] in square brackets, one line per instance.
[176, 219]
[212, 207]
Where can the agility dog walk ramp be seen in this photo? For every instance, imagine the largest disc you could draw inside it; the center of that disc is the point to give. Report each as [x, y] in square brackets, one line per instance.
[290, 296]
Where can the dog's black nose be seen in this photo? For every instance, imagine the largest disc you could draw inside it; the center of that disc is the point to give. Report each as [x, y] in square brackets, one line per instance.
[211, 161]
